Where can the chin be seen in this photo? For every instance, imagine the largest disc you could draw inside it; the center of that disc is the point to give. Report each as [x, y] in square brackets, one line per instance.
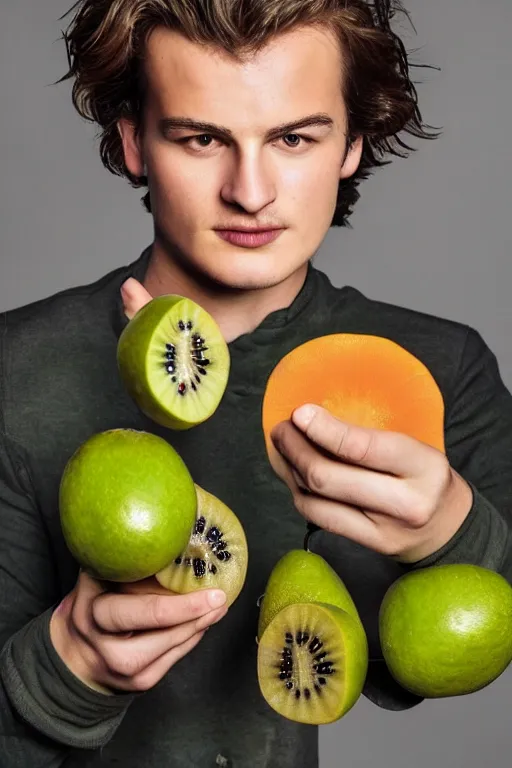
[256, 276]
[252, 269]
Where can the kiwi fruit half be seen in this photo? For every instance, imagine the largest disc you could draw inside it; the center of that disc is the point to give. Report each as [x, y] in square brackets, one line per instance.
[312, 646]
[174, 361]
[312, 662]
[216, 555]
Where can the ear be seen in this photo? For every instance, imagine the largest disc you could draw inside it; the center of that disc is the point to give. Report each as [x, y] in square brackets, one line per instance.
[352, 159]
[132, 149]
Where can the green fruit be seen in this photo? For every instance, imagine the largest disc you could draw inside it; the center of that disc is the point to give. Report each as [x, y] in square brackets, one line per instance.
[312, 662]
[216, 555]
[174, 362]
[127, 504]
[447, 630]
[303, 577]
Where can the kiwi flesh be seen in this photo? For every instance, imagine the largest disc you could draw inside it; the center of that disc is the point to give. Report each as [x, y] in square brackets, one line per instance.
[216, 555]
[174, 362]
[312, 662]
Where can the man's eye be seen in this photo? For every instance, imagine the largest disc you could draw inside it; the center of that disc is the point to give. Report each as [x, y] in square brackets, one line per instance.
[204, 140]
[298, 139]
[199, 139]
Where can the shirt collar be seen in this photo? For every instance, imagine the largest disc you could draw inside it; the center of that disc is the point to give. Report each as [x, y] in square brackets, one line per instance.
[273, 322]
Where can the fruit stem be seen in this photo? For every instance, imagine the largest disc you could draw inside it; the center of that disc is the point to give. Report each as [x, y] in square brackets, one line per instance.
[310, 530]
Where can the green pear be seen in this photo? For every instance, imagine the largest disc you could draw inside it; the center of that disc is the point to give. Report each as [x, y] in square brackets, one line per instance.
[301, 576]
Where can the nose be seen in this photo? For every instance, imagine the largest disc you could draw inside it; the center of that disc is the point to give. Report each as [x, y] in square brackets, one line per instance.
[249, 182]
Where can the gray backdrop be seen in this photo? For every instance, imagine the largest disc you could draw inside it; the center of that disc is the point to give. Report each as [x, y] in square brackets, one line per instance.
[432, 233]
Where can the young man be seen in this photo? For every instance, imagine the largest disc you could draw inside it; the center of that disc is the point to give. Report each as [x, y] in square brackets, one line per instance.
[237, 116]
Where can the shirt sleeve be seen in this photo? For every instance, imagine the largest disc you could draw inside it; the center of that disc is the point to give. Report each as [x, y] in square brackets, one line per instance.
[45, 711]
[478, 436]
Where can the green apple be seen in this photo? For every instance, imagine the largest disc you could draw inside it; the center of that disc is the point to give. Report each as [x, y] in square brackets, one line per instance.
[447, 630]
[127, 504]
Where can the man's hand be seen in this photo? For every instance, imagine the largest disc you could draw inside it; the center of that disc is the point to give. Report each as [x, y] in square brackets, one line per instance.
[128, 642]
[384, 490]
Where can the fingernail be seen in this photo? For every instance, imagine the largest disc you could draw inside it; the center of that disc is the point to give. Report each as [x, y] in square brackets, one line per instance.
[126, 288]
[303, 415]
[216, 598]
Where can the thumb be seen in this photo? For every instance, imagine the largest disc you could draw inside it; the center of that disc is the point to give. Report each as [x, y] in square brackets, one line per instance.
[134, 296]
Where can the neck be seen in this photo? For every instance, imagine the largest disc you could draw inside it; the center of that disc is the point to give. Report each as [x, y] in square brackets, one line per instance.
[236, 311]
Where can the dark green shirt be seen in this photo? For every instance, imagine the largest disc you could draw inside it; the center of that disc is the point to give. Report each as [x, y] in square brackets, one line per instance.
[60, 384]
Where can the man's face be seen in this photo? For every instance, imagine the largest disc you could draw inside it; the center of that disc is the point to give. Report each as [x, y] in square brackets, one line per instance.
[251, 178]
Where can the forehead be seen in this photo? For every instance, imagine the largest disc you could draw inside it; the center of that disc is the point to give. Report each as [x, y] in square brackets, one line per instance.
[299, 70]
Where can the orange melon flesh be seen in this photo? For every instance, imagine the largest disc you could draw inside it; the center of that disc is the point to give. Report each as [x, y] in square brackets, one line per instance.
[365, 380]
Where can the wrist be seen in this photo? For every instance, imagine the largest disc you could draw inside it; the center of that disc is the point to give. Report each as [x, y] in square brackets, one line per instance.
[446, 523]
[78, 655]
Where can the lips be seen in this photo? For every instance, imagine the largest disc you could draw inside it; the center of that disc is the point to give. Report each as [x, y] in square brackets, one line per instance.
[246, 239]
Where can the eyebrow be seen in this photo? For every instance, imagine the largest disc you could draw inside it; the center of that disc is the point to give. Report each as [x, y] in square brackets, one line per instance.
[168, 124]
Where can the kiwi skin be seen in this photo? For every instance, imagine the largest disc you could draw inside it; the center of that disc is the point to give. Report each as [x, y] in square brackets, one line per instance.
[348, 648]
[132, 359]
[301, 576]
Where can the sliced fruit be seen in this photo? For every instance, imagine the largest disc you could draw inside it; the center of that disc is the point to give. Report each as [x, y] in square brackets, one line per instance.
[216, 555]
[174, 362]
[366, 380]
[447, 630]
[303, 577]
[312, 662]
[127, 503]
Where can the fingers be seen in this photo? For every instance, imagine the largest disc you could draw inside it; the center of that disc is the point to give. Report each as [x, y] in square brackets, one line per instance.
[151, 675]
[88, 586]
[378, 449]
[126, 613]
[333, 479]
[75, 604]
[113, 641]
[149, 586]
[342, 519]
[128, 657]
[134, 297]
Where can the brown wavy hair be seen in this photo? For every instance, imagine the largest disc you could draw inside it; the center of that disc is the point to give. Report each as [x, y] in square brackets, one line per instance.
[105, 44]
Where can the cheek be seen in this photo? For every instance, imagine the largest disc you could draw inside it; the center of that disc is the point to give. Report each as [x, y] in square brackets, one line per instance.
[314, 187]
[178, 189]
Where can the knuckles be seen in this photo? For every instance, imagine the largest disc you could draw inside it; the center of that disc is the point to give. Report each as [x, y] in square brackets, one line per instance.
[80, 620]
[144, 681]
[419, 516]
[316, 478]
[354, 444]
[300, 503]
[388, 547]
[125, 664]
[157, 607]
